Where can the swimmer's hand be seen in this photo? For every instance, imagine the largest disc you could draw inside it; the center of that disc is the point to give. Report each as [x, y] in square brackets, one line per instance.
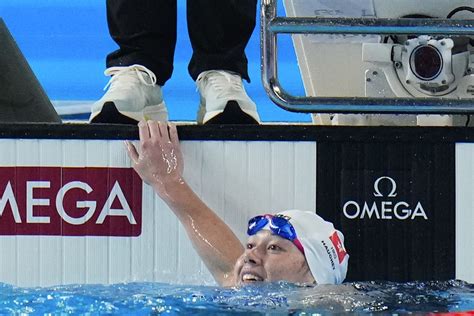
[159, 161]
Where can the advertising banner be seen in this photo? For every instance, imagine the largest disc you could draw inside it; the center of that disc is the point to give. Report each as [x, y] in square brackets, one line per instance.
[58, 201]
[395, 203]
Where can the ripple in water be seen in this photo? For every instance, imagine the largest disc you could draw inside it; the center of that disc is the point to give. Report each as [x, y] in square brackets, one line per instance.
[279, 298]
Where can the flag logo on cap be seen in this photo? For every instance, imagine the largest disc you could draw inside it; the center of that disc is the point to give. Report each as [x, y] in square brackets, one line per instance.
[341, 251]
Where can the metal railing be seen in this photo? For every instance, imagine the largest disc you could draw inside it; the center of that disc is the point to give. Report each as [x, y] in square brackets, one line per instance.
[271, 25]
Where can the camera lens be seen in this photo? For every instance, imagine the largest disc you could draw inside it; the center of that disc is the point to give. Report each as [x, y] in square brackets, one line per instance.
[426, 62]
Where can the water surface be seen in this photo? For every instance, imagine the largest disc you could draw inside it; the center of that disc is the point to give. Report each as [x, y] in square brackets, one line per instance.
[279, 298]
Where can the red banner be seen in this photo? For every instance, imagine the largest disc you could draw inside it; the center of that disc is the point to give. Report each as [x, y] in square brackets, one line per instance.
[59, 201]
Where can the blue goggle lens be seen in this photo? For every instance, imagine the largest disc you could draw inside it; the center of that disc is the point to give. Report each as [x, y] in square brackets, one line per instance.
[278, 225]
[256, 224]
[282, 227]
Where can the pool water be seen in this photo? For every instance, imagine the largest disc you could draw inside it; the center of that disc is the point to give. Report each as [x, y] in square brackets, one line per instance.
[279, 298]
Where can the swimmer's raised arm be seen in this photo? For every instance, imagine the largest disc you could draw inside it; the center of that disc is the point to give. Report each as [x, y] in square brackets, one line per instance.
[159, 162]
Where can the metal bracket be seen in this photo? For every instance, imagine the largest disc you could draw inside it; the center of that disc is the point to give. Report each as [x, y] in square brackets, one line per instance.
[271, 25]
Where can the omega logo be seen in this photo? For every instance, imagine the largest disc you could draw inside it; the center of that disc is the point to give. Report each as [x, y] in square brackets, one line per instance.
[8, 197]
[393, 192]
[70, 201]
[377, 209]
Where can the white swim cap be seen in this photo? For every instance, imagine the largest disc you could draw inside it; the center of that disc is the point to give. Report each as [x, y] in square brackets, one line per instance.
[323, 246]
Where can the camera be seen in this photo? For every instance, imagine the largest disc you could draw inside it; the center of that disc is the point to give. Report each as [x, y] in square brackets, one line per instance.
[423, 66]
[392, 66]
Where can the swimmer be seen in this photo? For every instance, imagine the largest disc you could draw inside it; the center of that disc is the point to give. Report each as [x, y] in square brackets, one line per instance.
[293, 245]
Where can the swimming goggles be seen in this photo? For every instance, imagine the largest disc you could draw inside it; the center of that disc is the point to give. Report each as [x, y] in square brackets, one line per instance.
[279, 225]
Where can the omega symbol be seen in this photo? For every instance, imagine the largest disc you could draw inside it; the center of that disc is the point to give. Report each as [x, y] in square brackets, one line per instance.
[393, 192]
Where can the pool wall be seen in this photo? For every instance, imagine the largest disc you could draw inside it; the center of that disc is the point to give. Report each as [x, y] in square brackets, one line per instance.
[72, 210]
[232, 177]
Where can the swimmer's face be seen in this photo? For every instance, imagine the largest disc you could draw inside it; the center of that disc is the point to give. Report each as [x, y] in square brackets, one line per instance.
[269, 258]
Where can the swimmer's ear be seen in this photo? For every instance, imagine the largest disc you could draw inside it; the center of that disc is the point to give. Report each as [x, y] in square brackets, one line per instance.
[132, 151]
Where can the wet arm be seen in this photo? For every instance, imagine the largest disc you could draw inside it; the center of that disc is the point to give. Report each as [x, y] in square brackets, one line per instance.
[160, 164]
[214, 241]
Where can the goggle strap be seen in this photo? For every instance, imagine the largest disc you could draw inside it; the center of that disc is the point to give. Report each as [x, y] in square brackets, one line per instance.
[298, 245]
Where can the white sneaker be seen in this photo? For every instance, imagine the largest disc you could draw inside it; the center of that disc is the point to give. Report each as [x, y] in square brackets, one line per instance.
[224, 100]
[133, 95]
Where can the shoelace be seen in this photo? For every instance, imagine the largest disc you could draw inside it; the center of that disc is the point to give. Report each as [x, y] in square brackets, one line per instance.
[223, 83]
[132, 74]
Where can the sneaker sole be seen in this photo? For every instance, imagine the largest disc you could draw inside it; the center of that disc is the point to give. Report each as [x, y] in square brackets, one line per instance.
[111, 115]
[232, 114]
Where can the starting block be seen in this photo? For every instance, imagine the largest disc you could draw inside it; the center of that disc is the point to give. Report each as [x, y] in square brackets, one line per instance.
[22, 99]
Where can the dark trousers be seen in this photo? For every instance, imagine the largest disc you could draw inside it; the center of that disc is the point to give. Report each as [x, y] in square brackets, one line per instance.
[145, 31]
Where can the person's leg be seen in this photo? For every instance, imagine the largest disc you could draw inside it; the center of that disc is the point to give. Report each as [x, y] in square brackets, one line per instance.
[219, 31]
[145, 31]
